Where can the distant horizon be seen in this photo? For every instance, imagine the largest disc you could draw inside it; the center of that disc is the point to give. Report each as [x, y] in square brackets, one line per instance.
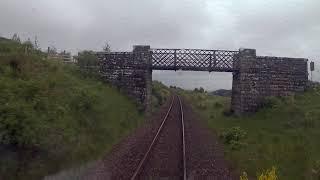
[190, 80]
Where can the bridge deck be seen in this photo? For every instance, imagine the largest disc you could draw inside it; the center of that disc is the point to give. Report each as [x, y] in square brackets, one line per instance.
[176, 59]
[193, 59]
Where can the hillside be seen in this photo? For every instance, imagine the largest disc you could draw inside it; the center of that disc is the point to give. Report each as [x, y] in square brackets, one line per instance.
[53, 117]
[221, 92]
[284, 134]
[2, 39]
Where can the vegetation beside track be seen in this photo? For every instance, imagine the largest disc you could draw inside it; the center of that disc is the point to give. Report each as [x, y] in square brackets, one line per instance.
[160, 94]
[52, 116]
[284, 134]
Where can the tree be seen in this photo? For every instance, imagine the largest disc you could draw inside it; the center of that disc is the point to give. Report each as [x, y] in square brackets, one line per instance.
[16, 38]
[28, 46]
[52, 50]
[87, 58]
[201, 90]
[107, 47]
[36, 43]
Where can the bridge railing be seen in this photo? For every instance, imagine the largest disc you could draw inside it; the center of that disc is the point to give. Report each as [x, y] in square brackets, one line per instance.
[193, 59]
[173, 59]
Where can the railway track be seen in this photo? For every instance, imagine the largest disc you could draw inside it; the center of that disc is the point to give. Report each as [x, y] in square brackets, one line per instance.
[171, 161]
[159, 150]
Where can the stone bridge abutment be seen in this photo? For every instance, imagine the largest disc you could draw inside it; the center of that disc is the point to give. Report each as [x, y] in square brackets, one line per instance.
[254, 77]
[258, 77]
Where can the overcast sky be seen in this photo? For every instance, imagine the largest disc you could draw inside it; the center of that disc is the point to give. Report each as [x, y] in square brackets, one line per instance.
[273, 27]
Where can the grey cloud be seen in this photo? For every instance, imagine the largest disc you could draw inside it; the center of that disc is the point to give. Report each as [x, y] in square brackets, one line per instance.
[273, 27]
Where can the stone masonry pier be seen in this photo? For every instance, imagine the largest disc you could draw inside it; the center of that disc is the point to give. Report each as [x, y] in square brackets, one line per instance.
[257, 77]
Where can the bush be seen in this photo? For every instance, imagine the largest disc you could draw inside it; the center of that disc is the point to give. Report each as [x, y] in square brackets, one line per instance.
[200, 90]
[233, 137]
[271, 102]
[316, 170]
[244, 176]
[227, 112]
[160, 94]
[309, 120]
[269, 175]
[202, 105]
[218, 105]
[201, 97]
[237, 145]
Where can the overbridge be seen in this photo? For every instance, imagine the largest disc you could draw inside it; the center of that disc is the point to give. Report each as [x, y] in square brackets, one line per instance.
[254, 77]
[193, 59]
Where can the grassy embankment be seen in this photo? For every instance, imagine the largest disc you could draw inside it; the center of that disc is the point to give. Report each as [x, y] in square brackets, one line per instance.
[285, 134]
[52, 117]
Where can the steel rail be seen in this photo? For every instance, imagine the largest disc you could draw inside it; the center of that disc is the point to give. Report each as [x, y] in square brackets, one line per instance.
[139, 168]
[137, 171]
[183, 143]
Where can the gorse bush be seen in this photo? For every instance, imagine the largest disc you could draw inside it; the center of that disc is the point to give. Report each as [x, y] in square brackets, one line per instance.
[270, 174]
[244, 176]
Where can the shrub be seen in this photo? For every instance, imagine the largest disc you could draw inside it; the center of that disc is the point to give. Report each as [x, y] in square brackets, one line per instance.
[237, 145]
[268, 175]
[271, 102]
[202, 105]
[201, 97]
[217, 105]
[227, 112]
[200, 90]
[212, 116]
[244, 176]
[316, 169]
[233, 135]
[160, 93]
[309, 120]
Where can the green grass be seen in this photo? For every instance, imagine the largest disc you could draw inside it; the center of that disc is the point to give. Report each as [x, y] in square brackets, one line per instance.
[285, 134]
[53, 117]
[160, 94]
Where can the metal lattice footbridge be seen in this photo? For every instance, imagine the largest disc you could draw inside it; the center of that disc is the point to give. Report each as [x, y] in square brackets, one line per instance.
[193, 59]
